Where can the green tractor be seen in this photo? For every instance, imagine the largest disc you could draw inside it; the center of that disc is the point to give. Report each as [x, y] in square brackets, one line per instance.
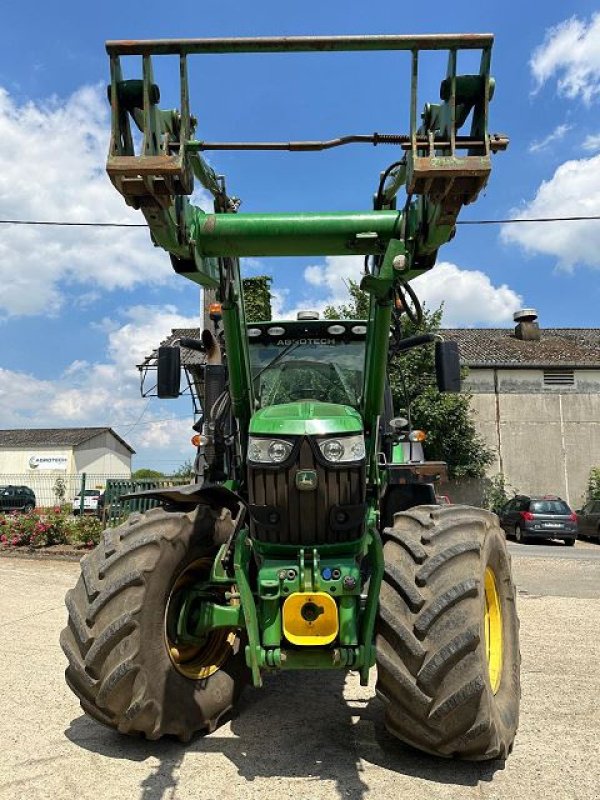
[312, 539]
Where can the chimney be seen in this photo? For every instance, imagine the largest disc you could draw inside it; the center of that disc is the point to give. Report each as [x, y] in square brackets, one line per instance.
[527, 328]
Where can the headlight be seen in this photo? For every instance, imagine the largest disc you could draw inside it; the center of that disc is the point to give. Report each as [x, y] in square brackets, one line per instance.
[268, 451]
[347, 448]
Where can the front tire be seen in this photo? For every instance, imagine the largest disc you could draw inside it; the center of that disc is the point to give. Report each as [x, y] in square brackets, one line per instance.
[448, 634]
[121, 662]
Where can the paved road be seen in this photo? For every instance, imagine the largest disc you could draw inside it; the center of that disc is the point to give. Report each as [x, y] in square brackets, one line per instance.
[553, 548]
[551, 569]
[305, 737]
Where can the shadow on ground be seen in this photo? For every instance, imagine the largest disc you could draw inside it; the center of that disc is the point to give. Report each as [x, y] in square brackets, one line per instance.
[297, 726]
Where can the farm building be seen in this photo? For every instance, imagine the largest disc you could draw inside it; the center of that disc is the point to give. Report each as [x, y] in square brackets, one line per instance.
[37, 457]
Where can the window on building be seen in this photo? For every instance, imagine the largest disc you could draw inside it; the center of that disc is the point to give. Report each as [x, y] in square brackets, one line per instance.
[559, 377]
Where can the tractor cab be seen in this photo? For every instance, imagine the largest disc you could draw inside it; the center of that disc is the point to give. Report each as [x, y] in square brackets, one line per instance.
[313, 359]
[306, 462]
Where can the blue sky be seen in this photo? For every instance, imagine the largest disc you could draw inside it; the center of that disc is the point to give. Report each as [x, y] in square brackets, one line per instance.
[78, 308]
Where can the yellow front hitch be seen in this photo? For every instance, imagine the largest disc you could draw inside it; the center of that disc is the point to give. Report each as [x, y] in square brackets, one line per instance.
[310, 618]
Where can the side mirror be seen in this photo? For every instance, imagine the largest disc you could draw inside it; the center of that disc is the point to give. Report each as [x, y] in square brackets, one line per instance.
[169, 372]
[447, 366]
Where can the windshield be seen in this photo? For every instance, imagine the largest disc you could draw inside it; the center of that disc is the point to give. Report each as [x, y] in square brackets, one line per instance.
[322, 369]
[549, 507]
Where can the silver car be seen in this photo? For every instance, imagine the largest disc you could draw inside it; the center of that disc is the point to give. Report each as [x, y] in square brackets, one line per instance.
[546, 517]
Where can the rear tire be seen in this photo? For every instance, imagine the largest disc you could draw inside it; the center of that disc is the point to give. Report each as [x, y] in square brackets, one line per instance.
[120, 666]
[446, 690]
[520, 537]
[569, 542]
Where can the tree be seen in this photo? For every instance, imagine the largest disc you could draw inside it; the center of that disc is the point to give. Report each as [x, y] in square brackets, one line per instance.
[144, 473]
[593, 487]
[356, 308]
[185, 470]
[257, 298]
[446, 418]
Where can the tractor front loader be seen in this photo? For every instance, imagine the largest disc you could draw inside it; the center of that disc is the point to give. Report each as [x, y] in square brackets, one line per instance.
[307, 544]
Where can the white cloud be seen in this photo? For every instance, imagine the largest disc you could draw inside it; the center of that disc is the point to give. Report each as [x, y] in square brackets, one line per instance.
[469, 296]
[573, 190]
[591, 143]
[557, 134]
[106, 393]
[52, 168]
[571, 52]
[334, 276]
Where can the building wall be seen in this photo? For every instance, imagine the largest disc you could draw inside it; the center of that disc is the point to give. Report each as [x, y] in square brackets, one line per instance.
[100, 458]
[15, 460]
[103, 455]
[545, 438]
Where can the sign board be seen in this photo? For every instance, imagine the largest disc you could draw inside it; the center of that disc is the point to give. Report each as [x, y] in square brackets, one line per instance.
[48, 461]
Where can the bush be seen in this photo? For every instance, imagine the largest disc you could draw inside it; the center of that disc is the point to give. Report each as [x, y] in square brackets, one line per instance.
[497, 492]
[593, 487]
[56, 527]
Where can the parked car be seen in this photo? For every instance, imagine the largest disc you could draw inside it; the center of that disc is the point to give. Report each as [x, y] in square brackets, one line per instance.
[546, 517]
[588, 520]
[90, 502]
[17, 498]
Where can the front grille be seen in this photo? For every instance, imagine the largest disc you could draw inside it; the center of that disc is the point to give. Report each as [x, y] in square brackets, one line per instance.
[304, 517]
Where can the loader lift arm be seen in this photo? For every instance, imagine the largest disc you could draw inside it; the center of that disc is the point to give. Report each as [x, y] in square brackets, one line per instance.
[441, 170]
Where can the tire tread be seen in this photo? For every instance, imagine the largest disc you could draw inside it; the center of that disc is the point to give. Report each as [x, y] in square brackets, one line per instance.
[430, 674]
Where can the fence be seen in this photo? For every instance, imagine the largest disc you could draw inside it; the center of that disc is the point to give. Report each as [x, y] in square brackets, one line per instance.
[56, 489]
[116, 509]
[52, 490]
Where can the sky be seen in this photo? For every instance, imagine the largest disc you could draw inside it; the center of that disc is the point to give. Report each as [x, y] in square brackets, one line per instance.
[79, 308]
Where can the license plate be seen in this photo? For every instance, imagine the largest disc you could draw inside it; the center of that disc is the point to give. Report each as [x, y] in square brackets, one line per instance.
[553, 525]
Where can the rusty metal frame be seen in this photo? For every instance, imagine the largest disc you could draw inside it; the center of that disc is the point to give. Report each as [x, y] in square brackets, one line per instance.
[170, 157]
[299, 44]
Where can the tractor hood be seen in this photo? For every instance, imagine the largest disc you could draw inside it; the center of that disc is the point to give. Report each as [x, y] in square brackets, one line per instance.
[306, 418]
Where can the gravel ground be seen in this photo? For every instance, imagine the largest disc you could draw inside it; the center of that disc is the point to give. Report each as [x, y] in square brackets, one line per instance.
[303, 736]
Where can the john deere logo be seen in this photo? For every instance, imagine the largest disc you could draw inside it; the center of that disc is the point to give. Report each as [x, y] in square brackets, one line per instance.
[306, 480]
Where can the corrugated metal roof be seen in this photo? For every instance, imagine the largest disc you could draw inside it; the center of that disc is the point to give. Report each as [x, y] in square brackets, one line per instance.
[54, 437]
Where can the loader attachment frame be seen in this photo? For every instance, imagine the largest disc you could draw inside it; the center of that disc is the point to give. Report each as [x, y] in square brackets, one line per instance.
[441, 170]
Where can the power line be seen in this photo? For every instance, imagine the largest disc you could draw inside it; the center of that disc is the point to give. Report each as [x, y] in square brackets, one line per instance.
[58, 223]
[508, 221]
[148, 422]
[138, 420]
[517, 221]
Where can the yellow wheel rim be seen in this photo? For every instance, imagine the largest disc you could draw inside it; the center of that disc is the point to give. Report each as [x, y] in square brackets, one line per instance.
[493, 629]
[196, 662]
